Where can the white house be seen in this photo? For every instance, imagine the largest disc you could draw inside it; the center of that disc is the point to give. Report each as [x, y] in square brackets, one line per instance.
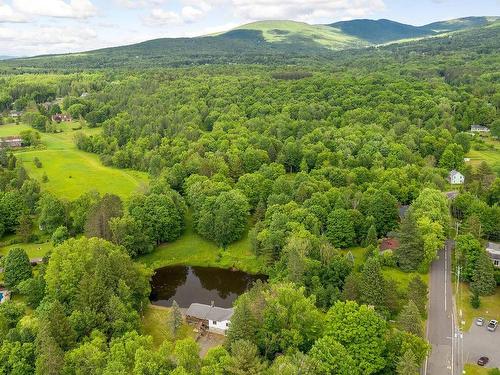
[493, 250]
[215, 319]
[456, 178]
[479, 129]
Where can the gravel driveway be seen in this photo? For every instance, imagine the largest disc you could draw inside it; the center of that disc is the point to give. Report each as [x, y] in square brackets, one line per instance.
[480, 342]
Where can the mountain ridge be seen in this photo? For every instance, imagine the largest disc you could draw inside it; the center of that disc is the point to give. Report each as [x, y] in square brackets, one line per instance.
[261, 42]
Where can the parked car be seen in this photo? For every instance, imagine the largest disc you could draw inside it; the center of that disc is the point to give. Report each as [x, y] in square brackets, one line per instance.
[483, 361]
[492, 325]
[480, 322]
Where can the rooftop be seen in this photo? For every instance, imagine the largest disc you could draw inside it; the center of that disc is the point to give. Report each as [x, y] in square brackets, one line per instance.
[207, 312]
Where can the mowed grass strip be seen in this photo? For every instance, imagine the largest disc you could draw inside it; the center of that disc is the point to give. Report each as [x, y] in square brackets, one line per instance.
[193, 250]
[72, 172]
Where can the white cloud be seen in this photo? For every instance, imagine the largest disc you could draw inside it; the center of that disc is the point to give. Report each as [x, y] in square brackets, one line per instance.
[304, 10]
[191, 14]
[56, 8]
[7, 14]
[134, 4]
[46, 39]
[188, 14]
[163, 17]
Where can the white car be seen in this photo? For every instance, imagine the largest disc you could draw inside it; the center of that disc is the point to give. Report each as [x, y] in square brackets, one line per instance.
[480, 322]
[492, 325]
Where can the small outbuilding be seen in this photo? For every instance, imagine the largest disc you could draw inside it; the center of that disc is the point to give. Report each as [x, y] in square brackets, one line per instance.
[493, 250]
[209, 317]
[456, 178]
[479, 129]
[11, 142]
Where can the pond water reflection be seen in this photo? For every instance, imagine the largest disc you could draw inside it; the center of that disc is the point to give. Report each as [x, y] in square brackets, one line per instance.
[186, 285]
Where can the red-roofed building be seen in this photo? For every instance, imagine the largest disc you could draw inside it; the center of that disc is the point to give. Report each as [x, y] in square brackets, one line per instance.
[389, 244]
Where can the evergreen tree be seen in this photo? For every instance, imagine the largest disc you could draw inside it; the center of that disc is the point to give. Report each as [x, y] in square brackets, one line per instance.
[17, 268]
[411, 250]
[475, 301]
[371, 236]
[97, 224]
[59, 326]
[50, 358]
[409, 319]
[417, 293]
[25, 228]
[244, 359]
[243, 323]
[351, 287]
[175, 318]
[372, 285]
[407, 364]
[483, 277]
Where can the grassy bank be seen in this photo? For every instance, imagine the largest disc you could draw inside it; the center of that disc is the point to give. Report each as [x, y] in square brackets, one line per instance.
[70, 171]
[155, 324]
[489, 309]
[193, 250]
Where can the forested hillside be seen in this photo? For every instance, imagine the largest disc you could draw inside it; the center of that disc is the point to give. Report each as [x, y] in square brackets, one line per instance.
[268, 43]
[313, 167]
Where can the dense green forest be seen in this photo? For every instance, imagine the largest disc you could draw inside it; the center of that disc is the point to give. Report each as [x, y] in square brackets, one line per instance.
[313, 161]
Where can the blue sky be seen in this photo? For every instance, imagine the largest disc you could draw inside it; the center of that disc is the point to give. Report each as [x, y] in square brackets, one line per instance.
[31, 27]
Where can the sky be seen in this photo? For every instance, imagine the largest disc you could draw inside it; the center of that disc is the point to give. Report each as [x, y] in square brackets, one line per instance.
[34, 27]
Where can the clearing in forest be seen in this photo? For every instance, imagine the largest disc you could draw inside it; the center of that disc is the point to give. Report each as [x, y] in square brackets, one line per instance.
[72, 172]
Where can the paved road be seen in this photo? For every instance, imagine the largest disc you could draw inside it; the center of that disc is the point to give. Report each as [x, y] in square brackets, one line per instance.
[440, 324]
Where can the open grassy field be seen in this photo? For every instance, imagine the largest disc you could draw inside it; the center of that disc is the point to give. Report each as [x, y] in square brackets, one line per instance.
[70, 171]
[489, 309]
[193, 250]
[490, 155]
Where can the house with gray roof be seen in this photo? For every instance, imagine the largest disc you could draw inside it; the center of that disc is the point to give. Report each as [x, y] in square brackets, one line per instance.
[215, 319]
[456, 178]
[493, 250]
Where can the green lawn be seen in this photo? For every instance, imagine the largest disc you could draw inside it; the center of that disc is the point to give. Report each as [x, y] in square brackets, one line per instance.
[402, 278]
[471, 369]
[155, 324]
[193, 250]
[358, 254]
[34, 250]
[72, 172]
[489, 309]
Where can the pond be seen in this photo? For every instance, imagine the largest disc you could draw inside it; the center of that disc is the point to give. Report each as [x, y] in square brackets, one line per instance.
[187, 285]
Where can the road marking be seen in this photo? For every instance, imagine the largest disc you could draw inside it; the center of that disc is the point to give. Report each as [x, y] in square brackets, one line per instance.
[445, 280]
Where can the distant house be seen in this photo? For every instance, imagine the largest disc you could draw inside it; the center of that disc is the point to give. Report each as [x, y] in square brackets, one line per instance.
[60, 118]
[479, 129]
[456, 178]
[493, 250]
[15, 114]
[389, 244]
[215, 319]
[11, 142]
